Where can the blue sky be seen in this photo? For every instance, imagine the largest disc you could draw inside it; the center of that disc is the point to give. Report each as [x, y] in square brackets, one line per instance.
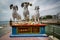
[47, 7]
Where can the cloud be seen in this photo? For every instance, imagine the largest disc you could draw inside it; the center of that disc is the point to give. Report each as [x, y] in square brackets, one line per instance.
[46, 7]
[52, 11]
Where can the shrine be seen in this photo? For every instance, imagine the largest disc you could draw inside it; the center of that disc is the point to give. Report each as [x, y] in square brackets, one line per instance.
[27, 28]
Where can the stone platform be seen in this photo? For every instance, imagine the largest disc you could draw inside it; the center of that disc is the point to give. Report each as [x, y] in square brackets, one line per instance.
[7, 37]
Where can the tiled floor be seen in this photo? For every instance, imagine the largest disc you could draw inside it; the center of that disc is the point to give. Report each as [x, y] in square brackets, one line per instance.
[6, 37]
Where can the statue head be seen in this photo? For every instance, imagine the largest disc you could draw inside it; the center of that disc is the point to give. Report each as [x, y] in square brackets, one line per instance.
[37, 8]
[26, 4]
[14, 7]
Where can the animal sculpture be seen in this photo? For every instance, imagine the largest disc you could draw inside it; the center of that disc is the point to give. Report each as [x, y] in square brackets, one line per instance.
[15, 15]
[36, 14]
[26, 11]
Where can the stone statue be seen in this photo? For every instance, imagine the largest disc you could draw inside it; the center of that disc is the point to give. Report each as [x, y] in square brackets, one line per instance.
[15, 15]
[26, 11]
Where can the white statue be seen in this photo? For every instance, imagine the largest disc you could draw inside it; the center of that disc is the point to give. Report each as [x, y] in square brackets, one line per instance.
[15, 15]
[26, 11]
[36, 14]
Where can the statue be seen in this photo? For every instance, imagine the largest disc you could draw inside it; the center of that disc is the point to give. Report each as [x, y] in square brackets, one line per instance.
[26, 11]
[15, 15]
[36, 15]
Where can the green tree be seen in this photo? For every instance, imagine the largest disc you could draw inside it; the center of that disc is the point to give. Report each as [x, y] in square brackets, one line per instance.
[49, 17]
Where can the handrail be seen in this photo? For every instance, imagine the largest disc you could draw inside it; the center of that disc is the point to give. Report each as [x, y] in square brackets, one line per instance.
[54, 26]
[57, 33]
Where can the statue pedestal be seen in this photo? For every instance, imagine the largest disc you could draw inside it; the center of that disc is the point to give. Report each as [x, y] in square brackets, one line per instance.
[28, 30]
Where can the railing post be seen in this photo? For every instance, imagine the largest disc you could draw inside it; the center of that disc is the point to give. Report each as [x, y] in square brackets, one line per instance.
[42, 30]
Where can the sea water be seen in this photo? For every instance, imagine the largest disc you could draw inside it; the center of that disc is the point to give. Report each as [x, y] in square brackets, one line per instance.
[4, 27]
